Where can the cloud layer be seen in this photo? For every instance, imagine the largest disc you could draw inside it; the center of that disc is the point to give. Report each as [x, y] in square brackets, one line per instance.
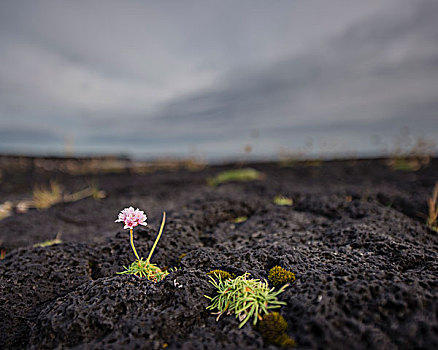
[150, 78]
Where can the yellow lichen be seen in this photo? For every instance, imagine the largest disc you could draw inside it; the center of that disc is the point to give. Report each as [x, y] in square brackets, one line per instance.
[279, 276]
[273, 329]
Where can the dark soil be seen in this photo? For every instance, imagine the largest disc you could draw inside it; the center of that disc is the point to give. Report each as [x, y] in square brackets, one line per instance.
[366, 264]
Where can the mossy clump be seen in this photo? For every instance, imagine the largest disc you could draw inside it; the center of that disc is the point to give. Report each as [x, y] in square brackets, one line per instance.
[283, 201]
[240, 219]
[223, 274]
[279, 276]
[273, 329]
[404, 164]
[241, 175]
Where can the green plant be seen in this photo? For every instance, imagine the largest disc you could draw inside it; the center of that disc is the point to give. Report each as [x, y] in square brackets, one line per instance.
[240, 219]
[273, 329]
[404, 164]
[244, 297]
[283, 201]
[223, 274]
[433, 209]
[141, 268]
[49, 242]
[2, 254]
[279, 276]
[246, 174]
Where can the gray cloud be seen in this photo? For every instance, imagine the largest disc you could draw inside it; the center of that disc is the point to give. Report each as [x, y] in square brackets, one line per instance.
[166, 76]
[360, 78]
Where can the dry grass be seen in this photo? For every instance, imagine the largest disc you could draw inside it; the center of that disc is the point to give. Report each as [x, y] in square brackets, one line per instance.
[5, 209]
[433, 209]
[91, 191]
[44, 198]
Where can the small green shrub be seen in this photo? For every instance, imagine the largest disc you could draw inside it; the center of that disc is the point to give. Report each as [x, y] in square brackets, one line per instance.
[244, 297]
[273, 329]
[224, 274]
[279, 276]
[246, 174]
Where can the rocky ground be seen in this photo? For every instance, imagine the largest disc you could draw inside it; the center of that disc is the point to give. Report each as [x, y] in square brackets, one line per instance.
[355, 237]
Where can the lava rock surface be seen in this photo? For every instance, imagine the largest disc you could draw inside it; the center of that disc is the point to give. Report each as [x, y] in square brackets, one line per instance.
[365, 262]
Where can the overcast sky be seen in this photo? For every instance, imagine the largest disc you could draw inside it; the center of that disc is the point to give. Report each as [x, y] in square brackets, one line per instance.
[152, 78]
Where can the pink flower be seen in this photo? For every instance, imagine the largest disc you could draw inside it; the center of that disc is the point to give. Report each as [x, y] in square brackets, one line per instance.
[132, 218]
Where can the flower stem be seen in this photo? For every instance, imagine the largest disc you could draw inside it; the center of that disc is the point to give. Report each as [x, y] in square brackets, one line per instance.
[132, 244]
[158, 237]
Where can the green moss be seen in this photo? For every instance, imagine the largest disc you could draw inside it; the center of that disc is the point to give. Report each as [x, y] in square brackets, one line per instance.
[224, 274]
[273, 329]
[178, 261]
[246, 174]
[283, 201]
[279, 276]
[240, 219]
[285, 341]
[404, 164]
[49, 242]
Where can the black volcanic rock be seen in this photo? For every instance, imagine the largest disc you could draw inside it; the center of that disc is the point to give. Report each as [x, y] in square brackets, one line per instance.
[366, 264]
